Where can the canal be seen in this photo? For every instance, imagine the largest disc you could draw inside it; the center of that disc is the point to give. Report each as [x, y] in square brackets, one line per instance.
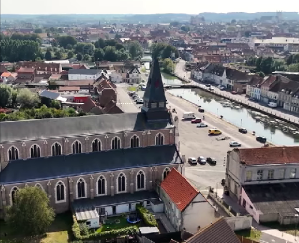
[276, 131]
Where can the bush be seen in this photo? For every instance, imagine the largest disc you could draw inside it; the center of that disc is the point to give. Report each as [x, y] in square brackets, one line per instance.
[100, 235]
[147, 216]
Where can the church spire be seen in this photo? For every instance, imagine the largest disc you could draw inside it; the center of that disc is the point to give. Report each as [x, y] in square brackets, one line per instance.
[154, 95]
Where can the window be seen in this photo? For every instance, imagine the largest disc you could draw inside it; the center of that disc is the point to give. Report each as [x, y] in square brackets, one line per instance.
[282, 173]
[121, 183]
[248, 175]
[101, 185]
[56, 149]
[165, 173]
[293, 173]
[115, 143]
[14, 193]
[13, 153]
[80, 188]
[140, 180]
[96, 145]
[159, 139]
[270, 174]
[60, 192]
[259, 175]
[135, 142]
[35, 151]
[77, 147]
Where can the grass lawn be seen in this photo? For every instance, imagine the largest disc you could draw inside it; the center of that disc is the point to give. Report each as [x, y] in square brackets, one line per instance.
[251, 234]
[132, 88]
[58, 232]
[114, 226]
[289, 229]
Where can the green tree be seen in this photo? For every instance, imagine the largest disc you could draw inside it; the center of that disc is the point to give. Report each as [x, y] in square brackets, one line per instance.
[30, 213]
[64, 41]
[85, 48]
[168, 51]
[185, 28]
[79, 56]
[59, 55]
[157, 49]
[6, 95]
[38, 31]
[99, 54]
[168, 65]
[261, 74]
[48, 55]
[27, 99]
[70, 54]
[293, 67]
[266, 65]
[119, 46]
[135, 49]
[86, 57]
[100, 43]
[122, 55]
[110, 54]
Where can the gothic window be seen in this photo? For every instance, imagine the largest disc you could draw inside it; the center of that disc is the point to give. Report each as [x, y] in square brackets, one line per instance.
[77, 147]
[140, 180]
[135, 142]
[13, 153]
[60, 192]
[115, 143]
[81, 188]
[121, 183]
[35, 151]
[101, 185]
[159, 139]
[96, 145]
[14, 193]
[56, 149]
[165, 173]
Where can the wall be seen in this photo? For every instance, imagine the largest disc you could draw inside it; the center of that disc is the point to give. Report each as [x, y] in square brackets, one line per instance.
[233, 173]
[94, 223]
[157, 208]
[199, 213]
[123, 208]
[249, 206]
[239, 222]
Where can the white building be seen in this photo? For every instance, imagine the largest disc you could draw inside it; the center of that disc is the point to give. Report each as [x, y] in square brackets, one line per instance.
[84, 74]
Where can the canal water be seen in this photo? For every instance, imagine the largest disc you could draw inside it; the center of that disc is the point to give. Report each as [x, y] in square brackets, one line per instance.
[276, 131]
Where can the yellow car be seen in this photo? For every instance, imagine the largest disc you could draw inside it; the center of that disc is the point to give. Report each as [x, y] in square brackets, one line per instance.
[214, 132]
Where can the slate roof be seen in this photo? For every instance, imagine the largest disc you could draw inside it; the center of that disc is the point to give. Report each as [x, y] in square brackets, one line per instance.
[180, 191]
[218, 232]
[84, 71]
[87, 163]
[71, 126]
[269, 155]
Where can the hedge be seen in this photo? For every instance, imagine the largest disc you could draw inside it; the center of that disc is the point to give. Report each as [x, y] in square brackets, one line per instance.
[100, 235]
[147, 216]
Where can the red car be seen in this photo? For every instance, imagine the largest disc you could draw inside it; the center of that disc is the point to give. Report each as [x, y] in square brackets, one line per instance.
[196, 120]
[234, 92]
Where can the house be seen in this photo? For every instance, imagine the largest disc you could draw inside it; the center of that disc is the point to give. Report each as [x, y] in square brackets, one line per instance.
[196, 72]
[25, 75]
[214, 73]
[42, 68]
[236, 80]
[265, 87]
[93, 161]
[7, 77]
[2, 69]
[52, 95]
[265, 182]
[133, 76]
[84, 74]
[185, 207]
[253, 88]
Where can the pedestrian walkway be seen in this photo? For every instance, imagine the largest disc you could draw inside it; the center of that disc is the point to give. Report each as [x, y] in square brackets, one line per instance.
[168, 226]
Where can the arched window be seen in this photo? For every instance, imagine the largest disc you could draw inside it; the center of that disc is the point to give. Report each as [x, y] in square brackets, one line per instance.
[115, 143]
[96, 145]
[35, 151]
[56, 149]
[121, 183]
[14, 193]
[140, 180]
[81, 188]
[159, 139]
[101, 186]
[77, 147]
[165, 173]
[60, 192]
[135, 142]
[13, 153]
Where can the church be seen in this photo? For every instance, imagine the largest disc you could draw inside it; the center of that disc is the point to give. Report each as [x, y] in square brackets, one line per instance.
[109, 160]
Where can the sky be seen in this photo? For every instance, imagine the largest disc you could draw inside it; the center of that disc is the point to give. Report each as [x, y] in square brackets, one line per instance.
[143, 6]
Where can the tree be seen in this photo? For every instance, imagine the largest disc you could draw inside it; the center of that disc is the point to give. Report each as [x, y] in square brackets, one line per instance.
[157, 49]
[100, 43]
[86, 57]
[168, 65]
[27, 99]
[135, 50]
[185, 28]
[169, 50]
[261, 74]
[79, 56]
[85, 48]
[99, 54]
[110, 53]
[30, 213]
[266, 65]
[6, 95]
[70, 54]
[293, 67]
[174, 23]
[48, 55]
[59, 55]
[122, 55]
[38, 31]
[119, 46]
[64, 41]
[117, 36]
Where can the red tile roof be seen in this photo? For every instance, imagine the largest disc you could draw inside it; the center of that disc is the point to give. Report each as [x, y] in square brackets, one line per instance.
[269, 155]
[26, 70]
[180, 191]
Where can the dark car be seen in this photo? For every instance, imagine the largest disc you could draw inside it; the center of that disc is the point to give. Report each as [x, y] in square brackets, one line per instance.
[201, 110]
[242, 130]
[261, 139]
[208, 85]
[211, 161]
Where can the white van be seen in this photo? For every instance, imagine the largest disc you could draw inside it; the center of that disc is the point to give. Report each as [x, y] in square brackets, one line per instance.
[272, 104]
[188, 115]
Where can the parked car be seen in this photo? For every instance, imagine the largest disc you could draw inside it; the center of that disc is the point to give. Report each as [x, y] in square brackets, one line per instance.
[196, 120]
[201, 160]
[211, 161]
[201, 110]
[139, 101]
[242, 130]
[261, 139]
[201, 125]
[208, 85]
[131, 93]
[234, 92]
[222, 87]
[192, 160]
[234, 144]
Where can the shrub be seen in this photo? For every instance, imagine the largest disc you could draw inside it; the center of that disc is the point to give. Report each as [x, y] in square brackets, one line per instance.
[147, 216]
